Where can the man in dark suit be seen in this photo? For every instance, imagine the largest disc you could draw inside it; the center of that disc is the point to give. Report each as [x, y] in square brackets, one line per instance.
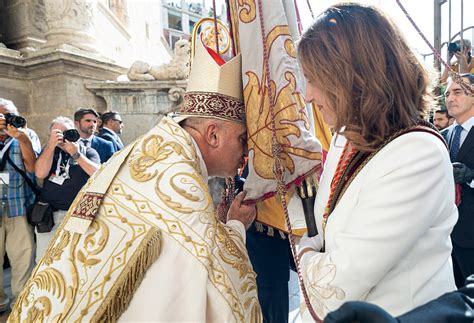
[460, 138]
[85, 121]
[112, 126]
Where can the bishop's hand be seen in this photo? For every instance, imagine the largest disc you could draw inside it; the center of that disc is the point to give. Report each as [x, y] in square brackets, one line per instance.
[245, 213]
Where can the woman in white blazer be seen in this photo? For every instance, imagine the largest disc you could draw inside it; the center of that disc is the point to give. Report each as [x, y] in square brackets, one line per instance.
[385, 206]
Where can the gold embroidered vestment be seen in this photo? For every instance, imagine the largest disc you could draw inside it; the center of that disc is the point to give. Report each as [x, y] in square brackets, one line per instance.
[158, 193]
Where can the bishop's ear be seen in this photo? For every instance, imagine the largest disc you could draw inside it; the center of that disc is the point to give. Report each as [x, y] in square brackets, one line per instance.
[212, 134]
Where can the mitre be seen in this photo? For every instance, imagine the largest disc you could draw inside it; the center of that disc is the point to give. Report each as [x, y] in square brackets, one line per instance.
[214, 87]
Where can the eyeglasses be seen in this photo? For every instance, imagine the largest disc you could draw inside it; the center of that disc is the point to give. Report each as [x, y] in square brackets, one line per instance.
[119, 121]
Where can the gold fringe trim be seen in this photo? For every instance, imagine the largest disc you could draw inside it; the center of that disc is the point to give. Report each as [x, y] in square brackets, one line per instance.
[270, 231]
[282, 235]
[119, 297]
[259, 226]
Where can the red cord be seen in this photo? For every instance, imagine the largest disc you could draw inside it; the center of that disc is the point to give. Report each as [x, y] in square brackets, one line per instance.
[216, 32]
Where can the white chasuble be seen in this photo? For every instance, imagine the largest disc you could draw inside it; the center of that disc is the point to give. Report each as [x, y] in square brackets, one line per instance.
[155, 250]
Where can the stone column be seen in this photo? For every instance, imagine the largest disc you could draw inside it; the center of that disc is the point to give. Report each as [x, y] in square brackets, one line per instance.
[70, 22]
[23, 24]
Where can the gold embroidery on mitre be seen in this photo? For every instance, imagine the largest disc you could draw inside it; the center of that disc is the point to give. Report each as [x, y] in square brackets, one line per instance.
[213, 105]
[220, 96]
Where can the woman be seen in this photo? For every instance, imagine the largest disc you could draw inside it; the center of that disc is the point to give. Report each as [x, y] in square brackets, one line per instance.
[385, 206]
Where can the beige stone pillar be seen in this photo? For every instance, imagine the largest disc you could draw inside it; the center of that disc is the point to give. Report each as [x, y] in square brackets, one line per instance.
[70, 23]
[22, 24]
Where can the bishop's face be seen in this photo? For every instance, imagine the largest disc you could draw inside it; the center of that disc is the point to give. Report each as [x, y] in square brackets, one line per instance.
[232, 149]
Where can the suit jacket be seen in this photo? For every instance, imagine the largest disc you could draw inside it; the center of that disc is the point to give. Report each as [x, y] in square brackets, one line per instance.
[112, 137]
[104, 148]
[462, 234]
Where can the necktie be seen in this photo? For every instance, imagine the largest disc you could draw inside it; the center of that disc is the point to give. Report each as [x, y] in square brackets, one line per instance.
[85, 142]
[456, 143]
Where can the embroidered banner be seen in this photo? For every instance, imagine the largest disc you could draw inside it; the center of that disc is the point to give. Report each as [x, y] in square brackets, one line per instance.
[302, 153]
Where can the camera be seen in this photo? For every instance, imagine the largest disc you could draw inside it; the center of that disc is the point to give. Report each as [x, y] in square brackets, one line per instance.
[454, 48]
[15, 120]
[71, 135]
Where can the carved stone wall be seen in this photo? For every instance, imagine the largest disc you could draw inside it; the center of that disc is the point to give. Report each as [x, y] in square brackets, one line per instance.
[119, 8]
[51, 57]
[23, 24]
[140, 104]
[70, 22]
[52, 84]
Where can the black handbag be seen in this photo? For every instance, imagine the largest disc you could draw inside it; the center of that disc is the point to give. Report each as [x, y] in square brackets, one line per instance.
[41, 216]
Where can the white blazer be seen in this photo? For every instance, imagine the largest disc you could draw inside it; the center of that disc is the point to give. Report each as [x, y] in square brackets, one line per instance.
[388, 239]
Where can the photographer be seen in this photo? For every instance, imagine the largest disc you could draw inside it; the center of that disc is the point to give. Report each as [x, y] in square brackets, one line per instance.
[464, 63]
[66, 166]
[18, 150]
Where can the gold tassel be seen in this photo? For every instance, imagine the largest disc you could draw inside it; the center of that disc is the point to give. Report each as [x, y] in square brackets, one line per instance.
[282, 235]
[119, 297]
[259, 226]
[270, 231]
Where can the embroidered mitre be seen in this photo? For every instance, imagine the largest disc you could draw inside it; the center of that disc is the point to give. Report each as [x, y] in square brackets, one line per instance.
[214, 87]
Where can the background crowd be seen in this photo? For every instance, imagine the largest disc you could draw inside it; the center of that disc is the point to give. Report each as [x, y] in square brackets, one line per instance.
[39, 184]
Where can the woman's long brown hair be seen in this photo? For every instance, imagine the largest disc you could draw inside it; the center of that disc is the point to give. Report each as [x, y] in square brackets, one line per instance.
[368, 74]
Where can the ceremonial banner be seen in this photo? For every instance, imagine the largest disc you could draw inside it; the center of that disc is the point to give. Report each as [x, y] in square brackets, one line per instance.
[321, 129]
[301, 152]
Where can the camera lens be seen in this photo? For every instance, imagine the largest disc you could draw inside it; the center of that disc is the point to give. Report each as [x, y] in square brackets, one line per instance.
[71, 135]
[453, 47]
[15, 120]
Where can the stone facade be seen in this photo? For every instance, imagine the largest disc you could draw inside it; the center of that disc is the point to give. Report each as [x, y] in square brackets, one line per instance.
[70, 22]
[53, 63]
[52, 84]
[140, 104]
[23, 24]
